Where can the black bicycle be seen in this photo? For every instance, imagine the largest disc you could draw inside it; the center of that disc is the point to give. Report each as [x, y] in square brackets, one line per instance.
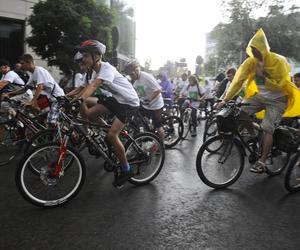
[60, 170]
[15, 131]
[220, 160]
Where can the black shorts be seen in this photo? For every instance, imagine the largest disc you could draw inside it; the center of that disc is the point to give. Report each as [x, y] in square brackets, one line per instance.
[155, 115]
[121, 111]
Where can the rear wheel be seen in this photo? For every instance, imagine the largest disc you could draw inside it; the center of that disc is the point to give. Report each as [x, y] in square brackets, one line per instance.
[173, 128]
[276, 162]
[210, 130]
[146, 155]
[292, 176]
[186, 120]
[220, 168]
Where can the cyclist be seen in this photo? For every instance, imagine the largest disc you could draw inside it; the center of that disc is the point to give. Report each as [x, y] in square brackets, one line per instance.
[120, 99]
[44, 84]
[223, 86]
[149, 92]
[167, 91]
[12, 86]
[268, 87]
[10, 80]
[195, 96]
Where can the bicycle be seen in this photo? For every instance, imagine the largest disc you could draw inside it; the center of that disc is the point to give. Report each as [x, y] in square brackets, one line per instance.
[61, 169]
[15, 131]
[292, 175]
[220, 160]
[172, 125]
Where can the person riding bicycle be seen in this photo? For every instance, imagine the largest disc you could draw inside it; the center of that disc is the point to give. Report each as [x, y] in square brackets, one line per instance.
[149, 92]
[13, 87]
[194, 97]
[167, 91]
[44, 85]
[119, 99]
[268, 87]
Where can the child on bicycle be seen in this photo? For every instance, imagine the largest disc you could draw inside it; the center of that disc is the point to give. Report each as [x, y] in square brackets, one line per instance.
[120, 99]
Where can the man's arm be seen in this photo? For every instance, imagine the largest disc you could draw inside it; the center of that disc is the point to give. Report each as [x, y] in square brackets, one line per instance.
[91, 88]
[18, 92]
[239, 79]
[3, 84]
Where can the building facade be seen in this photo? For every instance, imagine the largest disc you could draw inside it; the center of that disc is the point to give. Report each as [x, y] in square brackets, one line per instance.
[14, 31]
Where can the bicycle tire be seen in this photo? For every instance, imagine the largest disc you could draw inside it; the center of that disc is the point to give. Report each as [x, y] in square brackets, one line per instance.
[138, 180]
[292, 173]
[167, 127]
[204, 159]
[186, 120]
[29, 196]
[210, 130]
[276, 162]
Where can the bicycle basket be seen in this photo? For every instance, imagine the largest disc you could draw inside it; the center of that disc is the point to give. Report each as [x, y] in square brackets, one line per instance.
[226, 120]
[285, 140]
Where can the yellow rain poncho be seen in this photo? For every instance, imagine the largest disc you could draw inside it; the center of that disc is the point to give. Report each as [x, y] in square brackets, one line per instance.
[277, 70]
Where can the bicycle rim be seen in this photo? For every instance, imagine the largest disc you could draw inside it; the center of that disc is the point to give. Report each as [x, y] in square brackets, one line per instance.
[148, 164]
[220, 169]
[43, 189]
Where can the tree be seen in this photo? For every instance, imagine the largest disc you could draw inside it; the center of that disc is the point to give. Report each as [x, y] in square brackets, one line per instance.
[59, 26]
[281, 25]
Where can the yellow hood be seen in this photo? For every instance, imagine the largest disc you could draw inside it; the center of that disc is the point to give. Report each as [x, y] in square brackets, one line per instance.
[277, 69]
[260, 42]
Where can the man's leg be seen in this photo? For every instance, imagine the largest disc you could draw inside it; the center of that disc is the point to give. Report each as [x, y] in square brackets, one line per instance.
[94, 113]
[113, 138]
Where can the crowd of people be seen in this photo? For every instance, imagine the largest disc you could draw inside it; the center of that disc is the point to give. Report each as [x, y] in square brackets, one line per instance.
[262, 80]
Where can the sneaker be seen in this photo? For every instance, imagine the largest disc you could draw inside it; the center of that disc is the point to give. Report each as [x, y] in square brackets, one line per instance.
[122, 178]
[259, 167]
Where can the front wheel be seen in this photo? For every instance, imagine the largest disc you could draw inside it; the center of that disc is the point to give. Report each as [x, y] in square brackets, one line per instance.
[146, 155]
[292, 176]
[186, 120]
[220, 168]
[53, 185]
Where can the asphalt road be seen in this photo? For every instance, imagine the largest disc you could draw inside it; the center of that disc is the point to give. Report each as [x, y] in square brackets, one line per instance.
[175, 211]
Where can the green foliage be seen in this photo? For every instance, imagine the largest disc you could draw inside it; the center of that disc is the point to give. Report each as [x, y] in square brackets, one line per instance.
[59, 26]
[281, 26]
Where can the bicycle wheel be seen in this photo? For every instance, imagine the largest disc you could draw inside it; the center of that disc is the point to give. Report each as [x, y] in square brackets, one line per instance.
[292, 176]
[173, 128]
[10, 143]
[221, 168]
[51, 187]
[147, 163]
[186, 120]
[211, 129]
[276, 162]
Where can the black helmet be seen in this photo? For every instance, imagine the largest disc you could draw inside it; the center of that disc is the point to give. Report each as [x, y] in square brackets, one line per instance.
[92, 46]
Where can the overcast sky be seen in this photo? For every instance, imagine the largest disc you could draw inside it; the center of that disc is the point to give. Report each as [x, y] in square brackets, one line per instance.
[173, 29]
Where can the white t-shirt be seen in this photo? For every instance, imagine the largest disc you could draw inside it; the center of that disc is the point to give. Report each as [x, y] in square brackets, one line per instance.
[116, 85]
[194, 95]
[145, 86]
[13, 77]
[42, 76]
[207, 90]
[183, 87]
